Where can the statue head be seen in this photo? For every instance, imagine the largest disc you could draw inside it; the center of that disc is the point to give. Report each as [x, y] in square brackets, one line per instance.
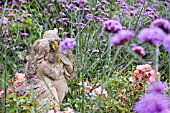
[51, 35]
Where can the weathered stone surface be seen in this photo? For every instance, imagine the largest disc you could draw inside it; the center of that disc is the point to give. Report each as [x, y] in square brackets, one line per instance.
[48, 68]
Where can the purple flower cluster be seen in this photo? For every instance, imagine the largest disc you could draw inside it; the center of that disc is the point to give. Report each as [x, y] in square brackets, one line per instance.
[89, 17]
[138, 50]
[121, 37]
[112, 26]
[157, 34]
[67, 44]
[82, 2]
[154, 101]
[62, 1]
[153, 35]
[157, 87]
[163, 24]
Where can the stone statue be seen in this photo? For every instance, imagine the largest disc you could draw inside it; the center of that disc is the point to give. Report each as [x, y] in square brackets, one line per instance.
[48, 69]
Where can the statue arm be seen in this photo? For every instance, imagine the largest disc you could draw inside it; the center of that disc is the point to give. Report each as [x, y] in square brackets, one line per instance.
[69, 68]
[46, 70]
[67, 63]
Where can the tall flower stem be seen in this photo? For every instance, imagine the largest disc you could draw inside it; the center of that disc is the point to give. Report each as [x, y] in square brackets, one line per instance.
[156, 63]
[109, 48]
[169, 67]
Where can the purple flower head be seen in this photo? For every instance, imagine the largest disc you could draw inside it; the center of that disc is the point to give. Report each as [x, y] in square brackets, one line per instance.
[50, 4]
[166, 43]
[121, 37]
[98, 19]
[95, 51]
[71, 6]
[10, 15]
[152, 103]
[89, 17]
[163, 24]
[5, 20]
[112, 26]
[22, 2]
[67, 44]
[29, 15]
[62, 1]
[104, 14]
[152, 35]
[139, 50]
[24, 34]
[82, 2]
[157, 87]
[140, 1]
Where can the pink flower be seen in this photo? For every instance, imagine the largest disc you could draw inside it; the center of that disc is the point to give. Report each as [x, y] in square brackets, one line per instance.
[131, 79]
[100, 91]
[9, 91]
[143, 72]
[20, 76]
[19, 79]
[87, 88]
[151, 76]
[51, 111]
[1, 93]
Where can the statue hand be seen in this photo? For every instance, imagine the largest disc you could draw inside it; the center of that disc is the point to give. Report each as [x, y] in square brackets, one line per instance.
[65, 60]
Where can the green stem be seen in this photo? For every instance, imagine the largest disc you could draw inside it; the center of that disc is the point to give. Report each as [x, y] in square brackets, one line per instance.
[109, 48]
[169, 66]
[156, 62]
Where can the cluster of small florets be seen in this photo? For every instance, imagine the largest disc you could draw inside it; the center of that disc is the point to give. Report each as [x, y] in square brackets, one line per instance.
[20, 80]
[138, 50]
[157, 34]
[119, 36]
[67, 44]
[154, 101]
[142, 72]
[97, 91]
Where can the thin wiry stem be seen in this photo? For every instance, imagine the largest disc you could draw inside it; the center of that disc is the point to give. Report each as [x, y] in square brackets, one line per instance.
[156, 62]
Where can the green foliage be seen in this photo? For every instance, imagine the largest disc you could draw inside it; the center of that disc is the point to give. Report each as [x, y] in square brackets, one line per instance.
[110, 71]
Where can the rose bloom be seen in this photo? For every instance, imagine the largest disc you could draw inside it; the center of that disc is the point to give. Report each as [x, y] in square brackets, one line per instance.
[20, 76]
[143, 71]
[19, 79]
[9, 91]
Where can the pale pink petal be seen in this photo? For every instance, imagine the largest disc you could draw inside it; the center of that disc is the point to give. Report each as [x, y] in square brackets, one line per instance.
[152, 77]
[131, 79]
[51, 111]
[98, 90]
[1, 93]
[9, 91]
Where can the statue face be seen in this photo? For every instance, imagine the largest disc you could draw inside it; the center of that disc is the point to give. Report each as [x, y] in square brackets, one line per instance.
[54, 45]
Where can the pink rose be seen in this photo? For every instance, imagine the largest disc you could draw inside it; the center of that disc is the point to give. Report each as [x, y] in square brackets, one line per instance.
[9, 91]
[20, 76]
